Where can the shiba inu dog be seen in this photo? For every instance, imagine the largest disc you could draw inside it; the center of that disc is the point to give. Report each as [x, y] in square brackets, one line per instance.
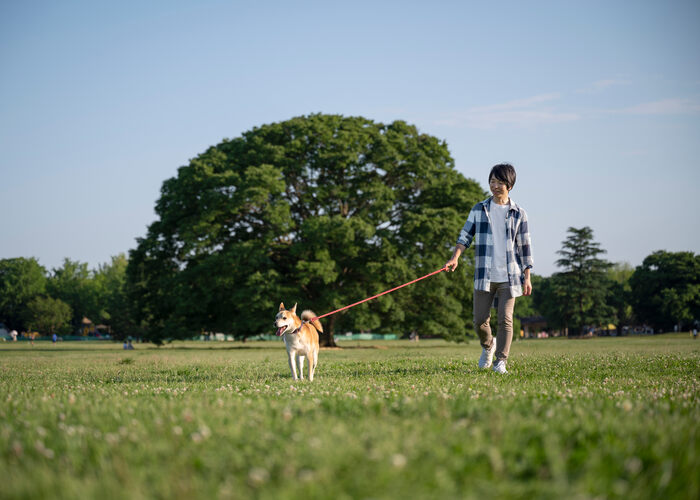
[301, 338]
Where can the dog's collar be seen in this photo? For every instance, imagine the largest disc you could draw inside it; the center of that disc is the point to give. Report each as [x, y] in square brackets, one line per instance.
[300, 327]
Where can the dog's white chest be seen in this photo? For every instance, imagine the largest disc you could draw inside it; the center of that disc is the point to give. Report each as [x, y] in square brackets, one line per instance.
[294, 343]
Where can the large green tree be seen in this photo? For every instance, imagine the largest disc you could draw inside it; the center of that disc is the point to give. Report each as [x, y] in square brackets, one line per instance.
[323, 210]
[582, 289]
[21, 280]
[666, 289]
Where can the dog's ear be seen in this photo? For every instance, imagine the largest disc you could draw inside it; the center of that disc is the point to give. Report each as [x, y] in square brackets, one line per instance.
[281, 306]
[294, 309]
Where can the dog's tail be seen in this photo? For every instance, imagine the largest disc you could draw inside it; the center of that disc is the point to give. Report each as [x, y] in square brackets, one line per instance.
[307, 315]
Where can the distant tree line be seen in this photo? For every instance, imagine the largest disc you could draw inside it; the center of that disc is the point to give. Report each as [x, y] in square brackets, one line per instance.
[590, 292]
[325, 210]
[663, 293]
[34, 299]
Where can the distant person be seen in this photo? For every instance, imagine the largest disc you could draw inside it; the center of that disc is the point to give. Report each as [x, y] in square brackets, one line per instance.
[498, 228]
[130, 346]
[13, 335]
[54, 338]
[695, 333]
[126, 346]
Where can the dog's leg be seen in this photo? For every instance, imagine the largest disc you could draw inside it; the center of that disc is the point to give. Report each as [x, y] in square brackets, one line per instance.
[292, 364]
[312, 365]
[301, 367]
[313, 361]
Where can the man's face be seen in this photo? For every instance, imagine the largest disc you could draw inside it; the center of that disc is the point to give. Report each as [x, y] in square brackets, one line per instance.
[498, 188]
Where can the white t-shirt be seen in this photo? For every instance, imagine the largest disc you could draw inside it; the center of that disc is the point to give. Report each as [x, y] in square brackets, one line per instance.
[499, 267]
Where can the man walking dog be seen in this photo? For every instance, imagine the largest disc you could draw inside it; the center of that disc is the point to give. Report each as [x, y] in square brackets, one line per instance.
[498, 228]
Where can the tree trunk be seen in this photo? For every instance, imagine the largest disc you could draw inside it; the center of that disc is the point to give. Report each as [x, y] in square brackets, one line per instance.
[327, 339]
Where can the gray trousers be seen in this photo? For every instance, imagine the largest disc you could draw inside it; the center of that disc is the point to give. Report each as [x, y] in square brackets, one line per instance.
[482, 317]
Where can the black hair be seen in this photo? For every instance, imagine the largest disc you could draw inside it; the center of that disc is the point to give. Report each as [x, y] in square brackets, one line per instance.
[504, 172]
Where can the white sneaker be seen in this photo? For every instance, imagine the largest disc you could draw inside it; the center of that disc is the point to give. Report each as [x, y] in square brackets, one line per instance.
[487, 356]
[500, 367]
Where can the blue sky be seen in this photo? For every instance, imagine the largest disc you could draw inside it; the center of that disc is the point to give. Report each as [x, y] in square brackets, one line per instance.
[596, 103]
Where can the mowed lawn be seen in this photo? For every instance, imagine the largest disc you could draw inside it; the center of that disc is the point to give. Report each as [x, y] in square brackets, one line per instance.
[599, 418]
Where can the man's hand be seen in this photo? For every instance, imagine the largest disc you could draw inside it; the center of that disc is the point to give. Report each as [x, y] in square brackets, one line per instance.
[452, 264]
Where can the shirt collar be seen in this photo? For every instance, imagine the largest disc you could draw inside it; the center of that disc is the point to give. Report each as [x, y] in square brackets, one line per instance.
[513, 206]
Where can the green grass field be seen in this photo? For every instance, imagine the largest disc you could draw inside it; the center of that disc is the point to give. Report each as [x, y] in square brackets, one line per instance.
[599, 418]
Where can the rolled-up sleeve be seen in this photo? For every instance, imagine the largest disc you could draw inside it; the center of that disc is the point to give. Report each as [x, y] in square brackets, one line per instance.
[522, 240]
[466, 235]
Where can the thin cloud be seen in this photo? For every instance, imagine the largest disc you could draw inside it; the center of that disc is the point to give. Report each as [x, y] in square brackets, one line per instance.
[601, 85]
[662, 107]
[527, 112]
[520, 103]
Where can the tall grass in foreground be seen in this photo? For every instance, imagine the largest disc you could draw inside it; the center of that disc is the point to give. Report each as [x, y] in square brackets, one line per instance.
[601, 418]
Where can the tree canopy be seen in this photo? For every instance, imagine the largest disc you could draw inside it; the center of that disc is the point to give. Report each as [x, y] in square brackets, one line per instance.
[21, 281]
[323, 210]
[48, 315]
[73, 284]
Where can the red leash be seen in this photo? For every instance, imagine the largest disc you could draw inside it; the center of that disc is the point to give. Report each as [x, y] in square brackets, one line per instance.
[379, 294]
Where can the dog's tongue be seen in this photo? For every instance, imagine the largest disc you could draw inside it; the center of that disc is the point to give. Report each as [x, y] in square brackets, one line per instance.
[281, 330]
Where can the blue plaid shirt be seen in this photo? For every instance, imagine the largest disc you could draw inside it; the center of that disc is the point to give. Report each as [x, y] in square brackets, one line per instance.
[518, 252]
